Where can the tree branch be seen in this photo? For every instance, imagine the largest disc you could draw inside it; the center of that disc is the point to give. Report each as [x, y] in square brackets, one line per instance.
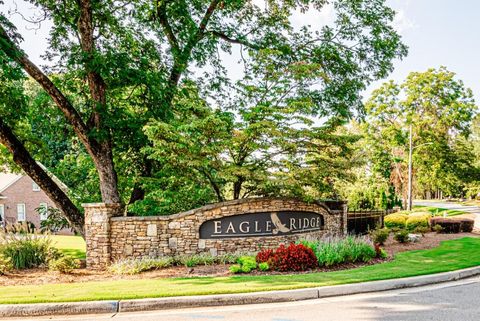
[96, 83]
[213, 184]
[181, 60]
[167, 28]
[233, 40]
[71, 114]
[208, 14]
[23, 159]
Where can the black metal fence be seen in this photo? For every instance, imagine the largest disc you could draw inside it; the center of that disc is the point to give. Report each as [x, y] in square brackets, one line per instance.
[361, 221]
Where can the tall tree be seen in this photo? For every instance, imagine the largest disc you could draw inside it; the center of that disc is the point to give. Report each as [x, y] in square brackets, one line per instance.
[439, 109]
[124, 63]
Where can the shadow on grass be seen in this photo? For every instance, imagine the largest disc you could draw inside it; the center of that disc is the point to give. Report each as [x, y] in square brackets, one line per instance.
[77, 254]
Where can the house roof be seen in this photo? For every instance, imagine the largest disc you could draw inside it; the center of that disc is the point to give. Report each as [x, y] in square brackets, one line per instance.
[7, 179]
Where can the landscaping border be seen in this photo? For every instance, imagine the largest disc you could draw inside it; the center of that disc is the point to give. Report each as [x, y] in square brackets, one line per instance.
[115, 306]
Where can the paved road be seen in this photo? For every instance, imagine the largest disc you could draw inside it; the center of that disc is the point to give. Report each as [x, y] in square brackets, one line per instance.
[455, 206]
[454, 301]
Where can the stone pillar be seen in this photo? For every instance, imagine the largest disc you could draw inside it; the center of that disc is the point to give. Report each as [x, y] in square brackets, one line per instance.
[97, 233]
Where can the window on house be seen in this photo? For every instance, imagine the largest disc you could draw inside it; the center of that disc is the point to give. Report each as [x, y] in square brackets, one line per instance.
[2, 213]
[43, 211]
[35, 187]
[21, 217]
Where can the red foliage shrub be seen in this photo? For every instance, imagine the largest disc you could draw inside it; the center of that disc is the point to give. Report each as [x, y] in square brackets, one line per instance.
[466, 224]
[264, 256]
[448, 225]
[295, 257]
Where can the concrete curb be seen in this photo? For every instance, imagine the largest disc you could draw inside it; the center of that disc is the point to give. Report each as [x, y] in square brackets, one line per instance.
[95, 307]
[39, 309]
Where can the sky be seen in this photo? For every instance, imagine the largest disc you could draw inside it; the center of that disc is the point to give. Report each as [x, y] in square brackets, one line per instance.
[437, 32]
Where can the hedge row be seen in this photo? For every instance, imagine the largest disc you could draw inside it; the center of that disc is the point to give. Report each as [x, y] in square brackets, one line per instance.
[424, 219]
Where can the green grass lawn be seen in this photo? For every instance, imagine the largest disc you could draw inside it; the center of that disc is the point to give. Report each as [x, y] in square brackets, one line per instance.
[439, 210]
[450, 255]
[70, 245]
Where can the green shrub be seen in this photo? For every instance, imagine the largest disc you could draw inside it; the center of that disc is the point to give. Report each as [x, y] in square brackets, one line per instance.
[5, 264]
[421, 230]
[333, 251]
[401, 236]
[235, 269]
[379, 236]
[26, 250]
[395, 229]
[245, 265]
[417, 220]
[263, 266]
[395, 220]
[246, 269]
[65, 264]
[383, 254]
[437, 228]
[247, 262]
[135, 266]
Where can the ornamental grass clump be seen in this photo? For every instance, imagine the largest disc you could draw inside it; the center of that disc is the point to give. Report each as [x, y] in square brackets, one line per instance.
[335, 250]
[5, 264]
[195, 259]
[26, 250]
[135, 266]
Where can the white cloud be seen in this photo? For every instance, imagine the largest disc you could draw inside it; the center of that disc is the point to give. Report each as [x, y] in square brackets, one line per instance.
[316, 19]
[402, 23]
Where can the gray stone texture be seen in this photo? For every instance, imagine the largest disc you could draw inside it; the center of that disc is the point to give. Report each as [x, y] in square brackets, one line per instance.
[112, 237]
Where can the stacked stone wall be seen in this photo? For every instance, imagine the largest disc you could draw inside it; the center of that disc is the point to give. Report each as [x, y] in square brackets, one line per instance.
[150, 236]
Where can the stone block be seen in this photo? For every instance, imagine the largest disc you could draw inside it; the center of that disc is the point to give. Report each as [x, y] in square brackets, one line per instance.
[174, 225]
[172, 243]
[128, 250]
[213, 252]
[152, 230]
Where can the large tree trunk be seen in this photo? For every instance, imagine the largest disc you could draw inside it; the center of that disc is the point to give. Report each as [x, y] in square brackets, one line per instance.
[103, 154]
[23, 159]
[107, 174]
[237, 188]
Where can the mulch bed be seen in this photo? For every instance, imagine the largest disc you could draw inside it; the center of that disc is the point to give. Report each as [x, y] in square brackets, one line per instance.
[42, 276]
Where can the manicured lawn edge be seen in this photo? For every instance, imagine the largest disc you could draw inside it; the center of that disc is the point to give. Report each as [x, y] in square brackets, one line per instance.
[450, 255]
[434, 210]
